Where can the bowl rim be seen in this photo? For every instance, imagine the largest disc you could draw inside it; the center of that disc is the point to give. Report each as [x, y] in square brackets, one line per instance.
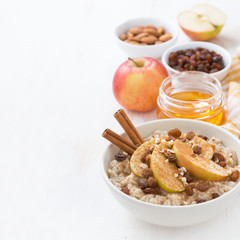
[210, 202]
[227, 57]
[173, 39]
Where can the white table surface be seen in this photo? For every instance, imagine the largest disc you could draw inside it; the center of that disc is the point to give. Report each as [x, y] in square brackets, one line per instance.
[57, 60]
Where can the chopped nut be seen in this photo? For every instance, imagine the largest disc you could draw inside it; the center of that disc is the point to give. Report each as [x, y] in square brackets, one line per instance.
[203, 186]
[189, 190]
[222, 164]
[149, 190]
[218, 157]
[203, 137]
[147, 172]
[234, 176]
[120, 157]
[193, 155]
[189, 177]
[151, 148]
[176, 175]
[176, 133]
[125, 190]
[190, 135]
[152, 182]
[197, 149]
[215, 195]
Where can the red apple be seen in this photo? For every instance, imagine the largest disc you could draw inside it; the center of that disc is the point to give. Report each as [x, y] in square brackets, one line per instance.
[136, 83]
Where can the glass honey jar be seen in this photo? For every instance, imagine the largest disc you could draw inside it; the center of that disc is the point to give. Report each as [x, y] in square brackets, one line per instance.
[192, 95]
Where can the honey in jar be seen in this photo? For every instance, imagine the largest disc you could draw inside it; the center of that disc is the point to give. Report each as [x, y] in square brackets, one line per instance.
[191, 95]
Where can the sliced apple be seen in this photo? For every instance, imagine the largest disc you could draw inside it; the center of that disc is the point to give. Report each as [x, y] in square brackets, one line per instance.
[199, 167]
[203, 22]
[164, 171]
[207, 148]
[135, 161]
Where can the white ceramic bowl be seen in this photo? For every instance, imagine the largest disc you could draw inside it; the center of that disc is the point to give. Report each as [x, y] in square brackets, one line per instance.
[154, 51]
[210, 46]
[174, 215]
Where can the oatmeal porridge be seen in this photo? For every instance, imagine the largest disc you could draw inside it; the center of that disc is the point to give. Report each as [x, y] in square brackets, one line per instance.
[176, 169]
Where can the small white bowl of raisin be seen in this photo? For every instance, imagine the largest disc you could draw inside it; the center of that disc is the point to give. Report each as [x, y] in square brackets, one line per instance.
[198, 56]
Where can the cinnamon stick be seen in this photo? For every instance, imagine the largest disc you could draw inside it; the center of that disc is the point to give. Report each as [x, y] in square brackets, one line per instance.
[128, 127]
[119, 141]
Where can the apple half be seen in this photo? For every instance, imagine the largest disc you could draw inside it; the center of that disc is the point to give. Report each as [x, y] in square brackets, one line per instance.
[202, 22]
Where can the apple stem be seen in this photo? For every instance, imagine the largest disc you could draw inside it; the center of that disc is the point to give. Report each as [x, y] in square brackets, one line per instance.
[130, 59]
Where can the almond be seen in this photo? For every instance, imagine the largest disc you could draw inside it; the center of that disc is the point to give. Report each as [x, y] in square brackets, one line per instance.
[149, 39]
[135, 30]
[158, 42]
[165, 37]
[151, 26]
[160, 30]
[141, 27]
[132, 39]
[140, 36]
[129, 34]
[151, 32]
[132, 42]
[123, 37]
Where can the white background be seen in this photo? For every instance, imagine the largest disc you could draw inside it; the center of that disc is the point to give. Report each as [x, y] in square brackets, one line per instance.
[57, 60]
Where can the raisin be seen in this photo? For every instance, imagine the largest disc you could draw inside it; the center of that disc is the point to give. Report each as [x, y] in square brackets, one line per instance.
[169, 138]
[152, 182]
[189, 190]
[176, 133]
[144, 155]
[125, 190]
[218, 157]
[215, 195]
[222, 164]
[147, 173]
[189, 177]
[144, 186]
[120, 157]
[201, 201]
[170, 156]
[197, 149]
[203, 137]
[147, 159]
[234, 176]
[192, 185]
[203, 186]
[149, 190]
[190, 135]
[182, 139]
[200, 59]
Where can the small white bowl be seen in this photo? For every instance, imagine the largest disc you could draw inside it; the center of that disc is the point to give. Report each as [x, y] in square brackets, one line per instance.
[154, 51]
[210, 46]
[174, 215]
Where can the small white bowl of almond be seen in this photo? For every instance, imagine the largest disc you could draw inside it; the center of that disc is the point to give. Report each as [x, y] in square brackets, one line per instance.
[146, 37]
